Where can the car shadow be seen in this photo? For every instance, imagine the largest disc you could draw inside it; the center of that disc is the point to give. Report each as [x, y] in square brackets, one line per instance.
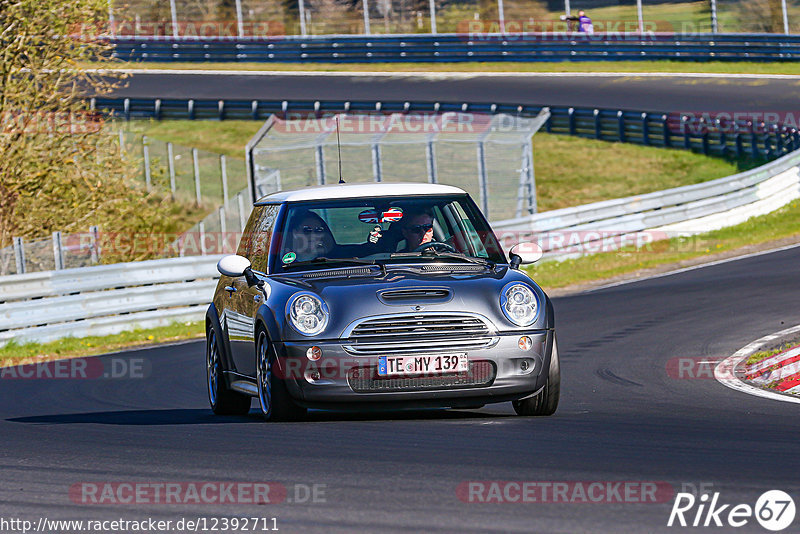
[205, 417]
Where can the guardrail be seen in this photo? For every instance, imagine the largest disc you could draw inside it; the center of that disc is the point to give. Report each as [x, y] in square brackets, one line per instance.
[106, 299]
[711, 135]
[682, 211]
[528, 47]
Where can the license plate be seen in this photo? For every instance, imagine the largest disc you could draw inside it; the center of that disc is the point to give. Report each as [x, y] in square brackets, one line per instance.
[435, 364]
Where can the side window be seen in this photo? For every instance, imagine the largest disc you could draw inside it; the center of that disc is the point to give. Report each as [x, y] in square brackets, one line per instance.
[470, 234]
[257, 236]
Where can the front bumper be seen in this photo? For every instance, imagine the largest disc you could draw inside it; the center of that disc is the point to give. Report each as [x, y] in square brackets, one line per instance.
[498, 372]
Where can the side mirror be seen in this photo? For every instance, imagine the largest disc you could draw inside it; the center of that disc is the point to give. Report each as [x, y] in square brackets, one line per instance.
[525, 253]
[233, 266]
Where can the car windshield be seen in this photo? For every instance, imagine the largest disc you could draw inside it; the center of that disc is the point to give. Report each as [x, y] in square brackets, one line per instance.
[397, 229]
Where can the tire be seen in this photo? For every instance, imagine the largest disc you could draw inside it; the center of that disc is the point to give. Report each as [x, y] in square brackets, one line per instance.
[546, 401]
[223, 401]
[273, 397]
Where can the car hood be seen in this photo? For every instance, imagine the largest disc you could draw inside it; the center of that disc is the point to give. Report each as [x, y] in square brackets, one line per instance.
[355, 296]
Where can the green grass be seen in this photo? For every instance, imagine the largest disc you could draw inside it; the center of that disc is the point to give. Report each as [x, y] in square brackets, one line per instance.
[633, 67]
[15, 354]
[570, 171]
[763, 355]
[782, 223]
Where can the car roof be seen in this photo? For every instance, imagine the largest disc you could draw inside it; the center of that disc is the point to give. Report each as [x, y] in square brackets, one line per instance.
[362, 190]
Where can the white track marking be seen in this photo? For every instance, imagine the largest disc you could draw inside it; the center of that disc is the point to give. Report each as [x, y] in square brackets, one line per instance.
[444, 75]
[724, 371]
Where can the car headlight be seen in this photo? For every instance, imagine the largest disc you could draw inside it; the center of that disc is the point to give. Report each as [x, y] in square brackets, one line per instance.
[307, 313]
[520, 304]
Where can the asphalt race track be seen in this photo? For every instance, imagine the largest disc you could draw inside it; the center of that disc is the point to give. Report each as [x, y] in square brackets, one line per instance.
[647, 93]
[622, 418]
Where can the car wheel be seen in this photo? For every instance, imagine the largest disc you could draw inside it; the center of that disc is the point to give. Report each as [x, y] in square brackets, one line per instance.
[273, 396]
[546, 401]
[223, 401]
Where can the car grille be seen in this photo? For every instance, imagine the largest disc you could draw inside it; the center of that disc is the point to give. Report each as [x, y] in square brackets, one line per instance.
[414, 326]
[419, 333]
[366, 380]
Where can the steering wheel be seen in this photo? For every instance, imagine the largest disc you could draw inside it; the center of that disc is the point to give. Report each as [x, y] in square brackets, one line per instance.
[434, 245]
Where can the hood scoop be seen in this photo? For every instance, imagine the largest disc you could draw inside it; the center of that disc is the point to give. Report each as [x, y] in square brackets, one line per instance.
[411, 295]
[342, 273]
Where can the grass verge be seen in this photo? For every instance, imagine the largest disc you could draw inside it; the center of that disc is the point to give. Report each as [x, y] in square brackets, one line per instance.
[780, 224]
[21, 353]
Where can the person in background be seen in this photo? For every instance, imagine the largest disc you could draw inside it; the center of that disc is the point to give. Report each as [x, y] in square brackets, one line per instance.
[584, 22]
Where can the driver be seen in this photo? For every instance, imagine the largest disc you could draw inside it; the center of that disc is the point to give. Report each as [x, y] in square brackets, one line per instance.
[310, 236]
[417, 229]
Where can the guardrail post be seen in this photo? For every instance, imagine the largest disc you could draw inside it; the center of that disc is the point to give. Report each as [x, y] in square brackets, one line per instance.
[58, 251]
[196, 165]
[666, 132]
[598, 134]
[94, 231]
[705, 143]
[739, 146]
[146, 153]
[19, 254]
[190, 109]
[377, 164]
[687, 142]
[645, 130]
[171, 167]
[723, 138]
[157, 109]
[126, 109]
[430, 157]
[221, 109]
[254, 109]
[223, 171]
[621, 125]
[571, 121]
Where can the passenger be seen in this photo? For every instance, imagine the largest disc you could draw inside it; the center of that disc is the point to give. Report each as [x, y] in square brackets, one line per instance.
[309, 237]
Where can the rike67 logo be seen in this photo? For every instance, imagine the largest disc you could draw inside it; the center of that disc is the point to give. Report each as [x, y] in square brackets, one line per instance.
[774, 510]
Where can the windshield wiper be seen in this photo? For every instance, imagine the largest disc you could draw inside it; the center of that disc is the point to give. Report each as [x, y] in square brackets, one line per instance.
[436, 254]
[323, 260]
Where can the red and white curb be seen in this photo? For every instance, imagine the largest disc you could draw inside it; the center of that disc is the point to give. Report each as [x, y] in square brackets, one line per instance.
[724, 372]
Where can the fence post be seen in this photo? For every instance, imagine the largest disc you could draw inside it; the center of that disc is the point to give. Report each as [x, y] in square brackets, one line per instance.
[431, 159]
[146, 153]
[502, 16]
[121, 144]
[433, 17]
[202, 228]
[320, 157]
[377, 165]
[483, 179]
[302, 7]
[19, 254]
[223, 229]
[713, 16]
[223, 171]
[242, 217]
[239, 21]
[365, 6]
[174, 14]
[171, 166]
[196, 166]
[95, 244]
[58, 251]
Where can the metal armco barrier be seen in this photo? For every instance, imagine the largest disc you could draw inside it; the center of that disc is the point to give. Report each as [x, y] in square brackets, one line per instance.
[465, 47]
[705, 134]
[106, 299]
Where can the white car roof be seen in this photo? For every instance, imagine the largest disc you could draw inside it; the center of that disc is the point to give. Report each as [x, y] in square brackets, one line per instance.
[365, 190]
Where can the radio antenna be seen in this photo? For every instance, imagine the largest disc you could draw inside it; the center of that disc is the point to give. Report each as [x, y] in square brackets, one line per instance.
[339, 148]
